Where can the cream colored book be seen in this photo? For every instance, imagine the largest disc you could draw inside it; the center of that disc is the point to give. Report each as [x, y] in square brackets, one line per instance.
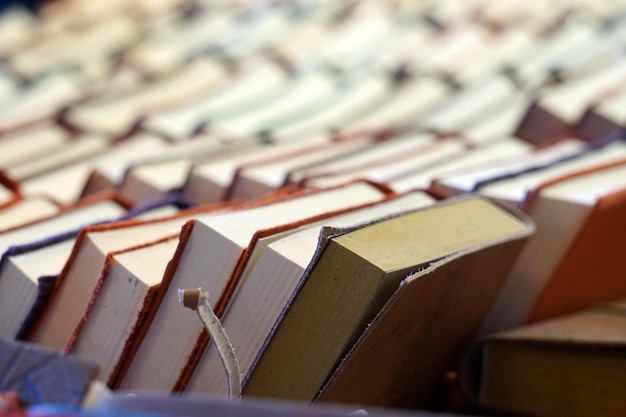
[212, 251]
[466, 180]
[266, 285]
[17, 27]
[66, 182]
[409, 100]
[361, 98]
[131, 279]
[476, 100]
[8, 85]
[498, 52]
[89, 49]
[115, 115]
[424, 175]
[82, 148]
[17, 295]
[533, 66]
[502, 123]
[210, 182]
[81, 272]
[260, 34]
[514, 190]
[379, 162]
[154, 178]
[41, 101]
[163, 52]
[560, 211]
[26, 210]
[256, 80]
[264, 176]
[47, 138]
[569, 100]
[300, 92]
[32, 270]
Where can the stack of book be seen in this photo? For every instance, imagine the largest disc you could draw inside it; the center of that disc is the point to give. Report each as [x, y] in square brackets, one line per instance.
[364, 188]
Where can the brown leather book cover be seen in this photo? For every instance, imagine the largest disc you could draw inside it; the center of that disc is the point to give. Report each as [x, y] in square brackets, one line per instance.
[401, 358]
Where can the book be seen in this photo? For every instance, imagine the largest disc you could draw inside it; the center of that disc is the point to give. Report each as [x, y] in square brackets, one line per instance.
[41, 101]
[572, 199]
[255, 81]
[212, 252]
[604, 117]
[559, 108]
[262, 176]
[81, 274]
[567, 365]
[67, 176]
[297, 360]
[47, 136]
[26, 210]
[120, 302]
[212, 181]
[127, 107]
[152, 177]
[267, 284]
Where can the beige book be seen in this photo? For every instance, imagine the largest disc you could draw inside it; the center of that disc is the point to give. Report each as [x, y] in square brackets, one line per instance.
[32, 270]
[17, 294]
[17, 27]
[267, 284]
[260, 34]
[424, 175]
[498, 51]
[409, 100]
[45, 99]
[514, 190]
[26, 210]
[560, 211]
[534, 65]
[89, 254]
[116, 115]
[47, 138]
[164, 52]
[89, 49]
[264, 176]
[256, 80]
[502, 123]
[82, 148]
[466, 180]
[476, 100]
[130, 280]
[154, 177]
[362, 98]
[8, 85]
[67, 181]
[297, 94]
[569, 100]
[210, 182]
[212, 252]
[379, 162]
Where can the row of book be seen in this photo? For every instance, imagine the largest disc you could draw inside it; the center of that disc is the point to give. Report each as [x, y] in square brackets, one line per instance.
[363, 188]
